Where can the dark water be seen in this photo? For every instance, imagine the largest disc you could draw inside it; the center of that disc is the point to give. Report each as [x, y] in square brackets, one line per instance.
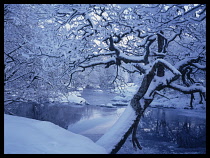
[161, 130]
[170, 131]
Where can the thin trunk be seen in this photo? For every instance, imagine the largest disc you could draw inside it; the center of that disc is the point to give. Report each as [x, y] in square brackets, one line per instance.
[161, 49]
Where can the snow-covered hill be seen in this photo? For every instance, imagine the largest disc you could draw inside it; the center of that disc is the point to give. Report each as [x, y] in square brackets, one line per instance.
[29, 136]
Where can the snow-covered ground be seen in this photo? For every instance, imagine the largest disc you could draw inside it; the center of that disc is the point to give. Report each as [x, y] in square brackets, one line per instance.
[29, 136]
[172, 99]
[23, 135]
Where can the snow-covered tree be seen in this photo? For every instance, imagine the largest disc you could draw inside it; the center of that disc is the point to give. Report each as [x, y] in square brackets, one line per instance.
[163, 43]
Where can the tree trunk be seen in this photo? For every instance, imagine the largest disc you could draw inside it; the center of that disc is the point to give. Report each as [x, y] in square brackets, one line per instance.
[161, 49]
[116, 136]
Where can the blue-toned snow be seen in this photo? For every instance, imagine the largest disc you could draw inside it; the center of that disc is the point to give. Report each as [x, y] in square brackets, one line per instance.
[93, 122]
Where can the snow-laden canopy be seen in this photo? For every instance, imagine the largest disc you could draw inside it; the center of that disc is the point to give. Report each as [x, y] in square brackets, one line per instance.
[47, 48]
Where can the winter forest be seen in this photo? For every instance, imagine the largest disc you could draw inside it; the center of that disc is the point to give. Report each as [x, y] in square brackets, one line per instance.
[104, 78]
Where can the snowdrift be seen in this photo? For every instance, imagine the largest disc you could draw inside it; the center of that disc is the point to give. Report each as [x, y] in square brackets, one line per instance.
[29, 136]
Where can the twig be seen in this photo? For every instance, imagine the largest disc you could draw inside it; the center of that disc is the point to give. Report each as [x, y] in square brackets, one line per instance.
[156, 92]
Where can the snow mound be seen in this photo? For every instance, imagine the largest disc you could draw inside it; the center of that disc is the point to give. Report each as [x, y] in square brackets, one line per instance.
[71, 97]
[121, 98]
[29, 136]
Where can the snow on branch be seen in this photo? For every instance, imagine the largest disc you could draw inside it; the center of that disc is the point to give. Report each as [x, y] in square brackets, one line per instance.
[131, 59]
[167, 65]
[108, 62]
[189, 90]
[102, 54]
[199, 66]
[187, 61]
[182, 17]
[117, 132]
[157, 82]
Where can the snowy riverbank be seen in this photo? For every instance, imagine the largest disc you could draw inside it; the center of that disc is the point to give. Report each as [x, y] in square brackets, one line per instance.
[29, 136]
[23, 135]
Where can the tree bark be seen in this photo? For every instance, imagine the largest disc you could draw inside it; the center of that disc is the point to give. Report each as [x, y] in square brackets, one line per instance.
[116, 136]
[128, 122]
[161, 49]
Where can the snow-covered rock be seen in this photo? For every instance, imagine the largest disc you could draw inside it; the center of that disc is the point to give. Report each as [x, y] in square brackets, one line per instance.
[108, 105]
[71, 97]
[79, 89]
[122, 99]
